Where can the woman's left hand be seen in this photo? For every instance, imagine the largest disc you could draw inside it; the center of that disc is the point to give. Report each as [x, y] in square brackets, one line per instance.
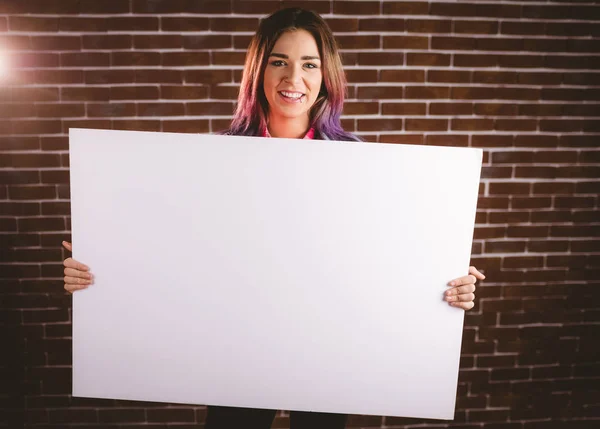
[461, 293]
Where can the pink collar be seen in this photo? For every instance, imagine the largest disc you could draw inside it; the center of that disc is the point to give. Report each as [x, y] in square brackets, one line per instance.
[309, 135]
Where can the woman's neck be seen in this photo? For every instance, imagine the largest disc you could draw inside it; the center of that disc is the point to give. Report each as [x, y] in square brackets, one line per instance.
[292, 128]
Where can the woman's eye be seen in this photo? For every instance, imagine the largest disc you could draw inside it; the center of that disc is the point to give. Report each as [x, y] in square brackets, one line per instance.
[277, 63]
[311, 65]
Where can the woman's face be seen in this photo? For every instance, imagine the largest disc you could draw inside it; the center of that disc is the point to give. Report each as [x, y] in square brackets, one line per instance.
[293, 75]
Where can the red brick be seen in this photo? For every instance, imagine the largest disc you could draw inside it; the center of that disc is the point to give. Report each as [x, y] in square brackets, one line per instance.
[376, 58]
[34, 60]
[85, 94]
[427, 92]
[505, 247]
[531, 202]
[453, 43]
[553, 188]
[230, 24]
[122, 415]
[363, 75]
[209, 108]
[60, 110]
[19, 143]
[427, 59]
[483, 10]
[502, 77]
[450, 109]
[413, 124]
[183, 92]
[489, 232]
[405, 42]
[381, 24]
[515, 124]
[160, 109]
[523, 262]
[56, 208]
[107, 42]
[449, 76]
[318, 6]
[41, 224]
[475, 60]
[51, 143]
[402, 76]
[177, 59]
[207, 77]
[476, 27]
[472, 124]
[401, 138]
[263, 7]
[159, 76]
[110, 109]
[221, 92]
[500, 109]
[81, 123]
[522, 28]
[578, 141]
[19, 209]
[453, 140]
[173, 415]
[186, 126]
[181, 6]
[338, 25]
[184, 24]
[137, 125]
[379, 92]
[33, 24]
[36, 127]
[428, 26]
[377, 125]
[223, 58]
[472, 93]
[55, 43]
[344, 7]
[403, 108]
[545, 141]
[159, 41]
[510, 188]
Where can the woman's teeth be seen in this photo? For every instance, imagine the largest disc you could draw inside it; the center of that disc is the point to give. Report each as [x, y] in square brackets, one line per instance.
[295, 97]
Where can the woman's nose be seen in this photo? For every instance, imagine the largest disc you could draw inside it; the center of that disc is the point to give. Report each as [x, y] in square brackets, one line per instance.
[293, 75]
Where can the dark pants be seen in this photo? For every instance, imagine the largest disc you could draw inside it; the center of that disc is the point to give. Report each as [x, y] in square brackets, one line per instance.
[250, 418]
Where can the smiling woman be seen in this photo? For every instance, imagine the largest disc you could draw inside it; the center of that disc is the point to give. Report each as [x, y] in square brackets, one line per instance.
[293, 81]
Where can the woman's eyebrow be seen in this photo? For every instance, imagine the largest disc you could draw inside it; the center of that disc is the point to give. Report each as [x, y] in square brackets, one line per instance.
[306, 57]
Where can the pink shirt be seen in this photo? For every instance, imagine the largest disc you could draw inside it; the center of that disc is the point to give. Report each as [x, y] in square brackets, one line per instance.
[309, 135]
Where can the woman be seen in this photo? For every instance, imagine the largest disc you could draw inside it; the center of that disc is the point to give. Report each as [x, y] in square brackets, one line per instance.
[293, 87]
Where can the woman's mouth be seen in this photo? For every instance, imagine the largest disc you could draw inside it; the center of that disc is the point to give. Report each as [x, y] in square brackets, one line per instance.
[292, 97]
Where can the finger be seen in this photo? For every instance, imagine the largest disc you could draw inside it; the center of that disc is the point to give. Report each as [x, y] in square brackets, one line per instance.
[465, 280]
[67, 246]
[464, 297]
[463, 305]
[72, 288]
[461, 289]
[72, 272]
[76, 281]
[72, 263]
[476, 273]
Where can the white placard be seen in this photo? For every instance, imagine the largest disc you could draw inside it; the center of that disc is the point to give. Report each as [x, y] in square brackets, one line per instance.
[270, 273]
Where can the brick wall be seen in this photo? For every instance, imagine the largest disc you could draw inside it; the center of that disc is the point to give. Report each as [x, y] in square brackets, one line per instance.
[520, 79]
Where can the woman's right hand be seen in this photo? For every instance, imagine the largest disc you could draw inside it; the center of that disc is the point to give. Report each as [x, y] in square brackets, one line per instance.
[77, 275]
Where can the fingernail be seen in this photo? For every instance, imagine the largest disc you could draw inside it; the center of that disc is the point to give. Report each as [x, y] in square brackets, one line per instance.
[452, 283]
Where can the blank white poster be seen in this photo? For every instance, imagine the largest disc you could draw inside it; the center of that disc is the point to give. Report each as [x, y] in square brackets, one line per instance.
[270, 273]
